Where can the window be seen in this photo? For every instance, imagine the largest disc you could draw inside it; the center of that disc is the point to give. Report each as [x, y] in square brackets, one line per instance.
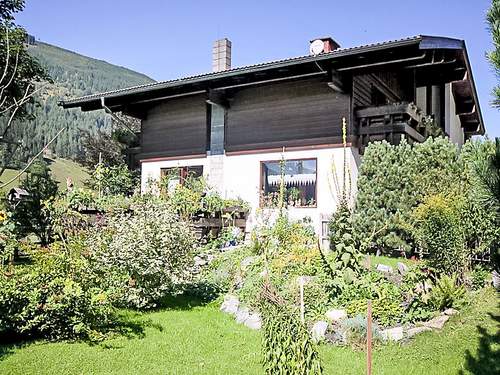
[178, 175]
[299, 179]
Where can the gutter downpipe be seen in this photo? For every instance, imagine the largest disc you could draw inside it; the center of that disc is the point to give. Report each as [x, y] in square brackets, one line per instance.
[115, 117]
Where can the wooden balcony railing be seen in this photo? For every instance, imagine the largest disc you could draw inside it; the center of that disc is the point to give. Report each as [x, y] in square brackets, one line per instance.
[391, 122]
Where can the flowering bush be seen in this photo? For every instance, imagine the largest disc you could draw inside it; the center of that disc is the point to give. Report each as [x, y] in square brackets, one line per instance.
[54, 298]
[143, 255]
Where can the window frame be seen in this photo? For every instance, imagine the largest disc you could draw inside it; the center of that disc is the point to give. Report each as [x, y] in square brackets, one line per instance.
[261, 181]
[183, 171]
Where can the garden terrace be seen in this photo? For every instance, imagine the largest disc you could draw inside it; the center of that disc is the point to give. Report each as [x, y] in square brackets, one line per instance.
[211, 223]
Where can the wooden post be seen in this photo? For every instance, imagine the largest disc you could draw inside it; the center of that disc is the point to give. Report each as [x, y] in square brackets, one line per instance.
[369, 328]
[100, 166]
[369, 338]
[302, 307]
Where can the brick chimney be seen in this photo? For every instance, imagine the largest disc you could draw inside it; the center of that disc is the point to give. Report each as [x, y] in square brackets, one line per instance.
[221, 55]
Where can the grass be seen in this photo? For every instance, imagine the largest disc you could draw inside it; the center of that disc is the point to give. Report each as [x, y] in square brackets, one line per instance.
[388, 261]
[60, 169]
[191, 339]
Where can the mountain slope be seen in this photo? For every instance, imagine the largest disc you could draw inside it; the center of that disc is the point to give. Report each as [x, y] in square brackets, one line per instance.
[73, 75]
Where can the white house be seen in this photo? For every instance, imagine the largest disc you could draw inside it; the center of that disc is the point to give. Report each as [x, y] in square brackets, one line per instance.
[234, 125]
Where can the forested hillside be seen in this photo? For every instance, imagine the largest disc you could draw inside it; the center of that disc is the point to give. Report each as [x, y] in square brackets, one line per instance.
[73, 75]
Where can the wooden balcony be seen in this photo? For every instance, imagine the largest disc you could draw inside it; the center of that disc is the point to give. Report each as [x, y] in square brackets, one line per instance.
[391, 122]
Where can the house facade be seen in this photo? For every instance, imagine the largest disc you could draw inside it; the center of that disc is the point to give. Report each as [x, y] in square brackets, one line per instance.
[244, 128]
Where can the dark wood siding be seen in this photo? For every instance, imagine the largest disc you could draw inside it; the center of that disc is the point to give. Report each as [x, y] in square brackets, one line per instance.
[285, 114]
[175, 127]
[394, 85]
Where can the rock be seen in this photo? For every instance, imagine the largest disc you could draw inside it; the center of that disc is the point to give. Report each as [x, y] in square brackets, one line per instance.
[230, 304]
[450, 312]
[384, 268]
[416, 330]
[242, 315]
[253, 321]
[402, 268]
[305, 279]
[392, 334]
[238, 281]
[336, 315]
[199, 261]
[423, 287]
[495, 276]
[427, 286]
[247, 262]
[318, 331]
[223, 249]
[337, 337]
[437, 322]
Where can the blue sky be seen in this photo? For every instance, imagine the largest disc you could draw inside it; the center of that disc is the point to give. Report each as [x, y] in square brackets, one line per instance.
[169, 39]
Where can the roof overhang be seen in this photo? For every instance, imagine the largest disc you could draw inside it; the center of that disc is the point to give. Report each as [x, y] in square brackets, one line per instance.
[418, 51]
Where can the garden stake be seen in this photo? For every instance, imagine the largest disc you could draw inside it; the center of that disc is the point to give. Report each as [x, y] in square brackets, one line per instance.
[369, 338]
[302, 308]
[369, 330]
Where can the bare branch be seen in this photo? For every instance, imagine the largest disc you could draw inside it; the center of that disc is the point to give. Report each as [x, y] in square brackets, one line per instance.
[3, 88]
[23, 100]
[17, 105]
[32, 160]
[7, 55]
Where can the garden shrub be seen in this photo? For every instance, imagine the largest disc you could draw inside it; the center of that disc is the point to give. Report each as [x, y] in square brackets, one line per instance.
[385, 192]
[446, 293]
[286, 345]
[186, 198]
[191, 196]
[54, 298]
[145, 253]
[29, 215]
[440, 233]
[394, 180]
[112, 180]
[224, 271]
[479, 277]
[415, 288]
[282, 251]
[385, 295]
[482, 162]
[8, 243]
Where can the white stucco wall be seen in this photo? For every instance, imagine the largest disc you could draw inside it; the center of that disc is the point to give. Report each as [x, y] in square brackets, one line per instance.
[241, 178]
[151, 170]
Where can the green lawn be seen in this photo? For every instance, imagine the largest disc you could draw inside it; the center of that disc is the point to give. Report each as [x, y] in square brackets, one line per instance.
[201, 340]
[388, 261]
[60, 169]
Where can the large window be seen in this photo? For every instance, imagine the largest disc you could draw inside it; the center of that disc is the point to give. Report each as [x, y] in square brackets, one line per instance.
[299, 177]
[178, 175]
